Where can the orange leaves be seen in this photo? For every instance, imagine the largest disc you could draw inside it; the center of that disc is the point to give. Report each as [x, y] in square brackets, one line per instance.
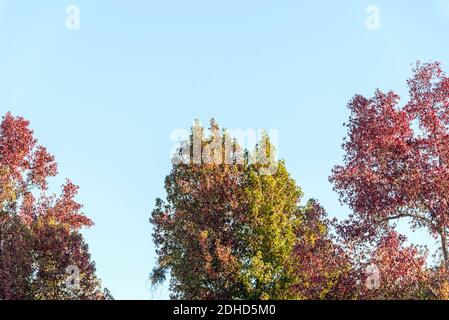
[67, 210]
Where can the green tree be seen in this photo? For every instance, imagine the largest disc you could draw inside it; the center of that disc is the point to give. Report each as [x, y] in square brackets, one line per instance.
[271, 236]
[230, 227]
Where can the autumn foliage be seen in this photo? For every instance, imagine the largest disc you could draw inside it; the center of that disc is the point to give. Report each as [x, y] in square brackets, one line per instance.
[228, 232]
[234, 224]
[41, 246]
[396, 163]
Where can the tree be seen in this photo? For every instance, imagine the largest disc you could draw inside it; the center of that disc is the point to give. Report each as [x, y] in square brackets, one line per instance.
[227, 230]
[232, 227]
[396, 162]
[270, 235]
[323, 267]
[42, 252]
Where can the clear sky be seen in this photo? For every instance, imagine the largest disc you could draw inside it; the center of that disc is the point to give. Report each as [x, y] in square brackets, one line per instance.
[105, 98]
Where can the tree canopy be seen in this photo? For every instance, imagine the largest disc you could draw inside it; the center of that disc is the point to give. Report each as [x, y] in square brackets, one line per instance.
[42, 252]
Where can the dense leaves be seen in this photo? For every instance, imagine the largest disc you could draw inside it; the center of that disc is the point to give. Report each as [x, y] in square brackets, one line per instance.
[228, 230]
[396, 166]
[42, 253]
[233, 226]
[396, 163]
[322, 266]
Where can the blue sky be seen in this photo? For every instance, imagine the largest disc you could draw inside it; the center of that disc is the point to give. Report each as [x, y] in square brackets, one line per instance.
[105, 98]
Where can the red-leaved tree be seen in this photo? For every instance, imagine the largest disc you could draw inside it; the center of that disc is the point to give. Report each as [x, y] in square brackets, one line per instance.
[396, 162]
[42, 253]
